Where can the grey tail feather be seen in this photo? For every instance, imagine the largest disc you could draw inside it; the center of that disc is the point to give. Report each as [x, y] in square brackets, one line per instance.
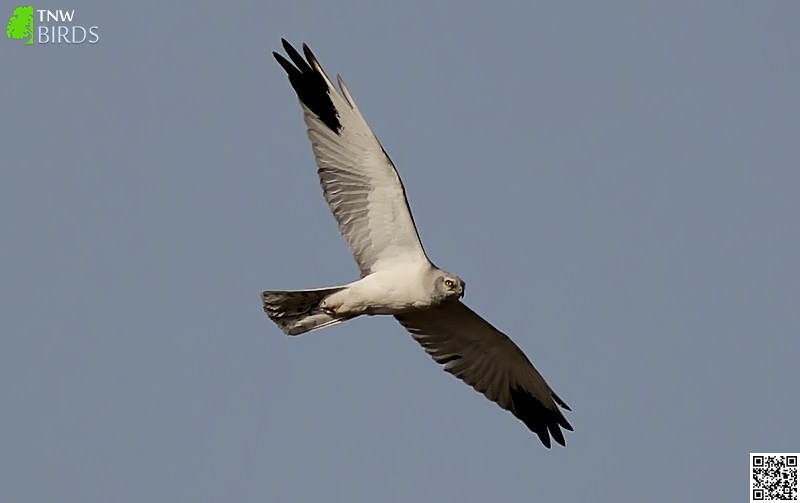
[298, 311]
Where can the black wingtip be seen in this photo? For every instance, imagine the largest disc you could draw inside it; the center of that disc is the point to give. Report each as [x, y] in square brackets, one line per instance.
[560, 402]
[538, 418]
[544, 436]
[310, 84]
[557, 434]
[309, 55]
[288, 67]
[296, 58]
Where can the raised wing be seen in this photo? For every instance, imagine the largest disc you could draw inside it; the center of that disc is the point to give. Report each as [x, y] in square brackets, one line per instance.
[486, 359]
[359, 181]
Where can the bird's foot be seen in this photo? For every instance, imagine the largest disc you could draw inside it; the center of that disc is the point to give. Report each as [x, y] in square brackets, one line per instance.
[329, 308]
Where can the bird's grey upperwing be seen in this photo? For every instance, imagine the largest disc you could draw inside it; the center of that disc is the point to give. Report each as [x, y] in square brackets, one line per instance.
[359, 181]
[480, 355]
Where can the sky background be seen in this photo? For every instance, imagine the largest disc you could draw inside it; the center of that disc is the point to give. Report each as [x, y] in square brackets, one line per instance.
[617, 182]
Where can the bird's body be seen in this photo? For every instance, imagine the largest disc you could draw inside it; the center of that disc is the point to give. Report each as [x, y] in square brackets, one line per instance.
[398, 290]
[405, 287]
[366, 195]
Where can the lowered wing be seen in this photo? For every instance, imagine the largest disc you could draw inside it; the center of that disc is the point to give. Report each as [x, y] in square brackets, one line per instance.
[486, 359]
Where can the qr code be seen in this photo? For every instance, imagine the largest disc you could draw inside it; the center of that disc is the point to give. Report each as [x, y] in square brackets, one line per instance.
[773, 477]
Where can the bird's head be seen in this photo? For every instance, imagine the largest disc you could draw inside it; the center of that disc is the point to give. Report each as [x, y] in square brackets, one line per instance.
[449, 286]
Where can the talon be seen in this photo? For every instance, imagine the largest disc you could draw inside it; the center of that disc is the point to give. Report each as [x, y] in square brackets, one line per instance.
[327, 309]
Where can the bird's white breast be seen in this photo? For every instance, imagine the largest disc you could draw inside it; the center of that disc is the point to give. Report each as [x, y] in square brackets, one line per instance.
[400, 289]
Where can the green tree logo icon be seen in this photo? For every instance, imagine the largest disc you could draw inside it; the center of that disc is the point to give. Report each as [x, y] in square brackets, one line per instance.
[20, 25]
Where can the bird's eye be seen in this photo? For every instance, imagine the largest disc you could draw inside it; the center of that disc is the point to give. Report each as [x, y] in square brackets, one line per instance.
[449, 283]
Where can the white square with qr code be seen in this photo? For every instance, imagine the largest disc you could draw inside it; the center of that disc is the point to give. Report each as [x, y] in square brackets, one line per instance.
[773, 476]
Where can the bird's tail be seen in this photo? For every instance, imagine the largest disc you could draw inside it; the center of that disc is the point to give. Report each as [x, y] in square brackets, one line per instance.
[298, 311]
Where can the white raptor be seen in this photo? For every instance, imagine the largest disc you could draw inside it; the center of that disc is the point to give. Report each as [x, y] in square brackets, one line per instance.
[367, 198]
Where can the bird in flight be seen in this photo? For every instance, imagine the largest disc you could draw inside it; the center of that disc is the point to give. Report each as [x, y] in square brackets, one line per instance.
[368, 200]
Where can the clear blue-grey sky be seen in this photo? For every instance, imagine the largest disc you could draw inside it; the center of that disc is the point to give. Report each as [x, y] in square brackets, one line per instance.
[617, 182]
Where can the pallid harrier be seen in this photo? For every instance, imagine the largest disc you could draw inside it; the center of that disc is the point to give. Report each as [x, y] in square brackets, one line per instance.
[367, 198]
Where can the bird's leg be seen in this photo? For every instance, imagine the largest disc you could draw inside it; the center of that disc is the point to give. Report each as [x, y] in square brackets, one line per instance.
[329, 308]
